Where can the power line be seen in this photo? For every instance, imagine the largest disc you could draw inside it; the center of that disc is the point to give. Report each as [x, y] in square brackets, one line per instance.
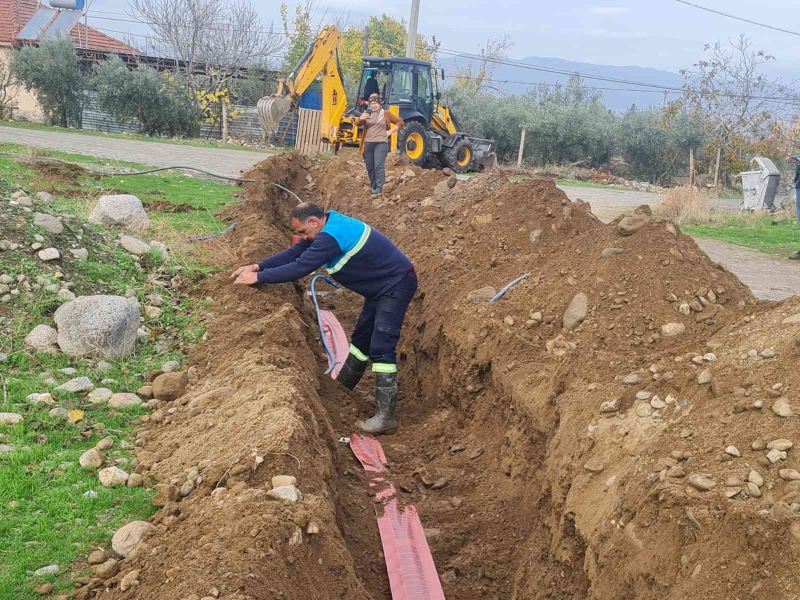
[730, 16]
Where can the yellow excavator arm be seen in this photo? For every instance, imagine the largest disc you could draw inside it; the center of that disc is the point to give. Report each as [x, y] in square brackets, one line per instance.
[320, 60]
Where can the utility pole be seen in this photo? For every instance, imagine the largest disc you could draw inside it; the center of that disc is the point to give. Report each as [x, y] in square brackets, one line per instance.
[521, 147]
[411, 45]
[365, 49]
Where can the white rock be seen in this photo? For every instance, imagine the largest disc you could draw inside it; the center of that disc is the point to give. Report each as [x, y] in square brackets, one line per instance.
[610, 406]
[632, 379]
[99, 395]
[733, 451]
[44, 196]
[122, 210]
[672, 329]
[768, 353]
[789, 474]
[776, 455]
[49, 254]
[170, 366]
[782, 408]
[65, 295]
[59, 413]
[79, 384]
[288, 493]
[103, 326]
[710, 357]
[576, 311]
[43, 338]
[9, 419]
[780, 444]
[657, 403]
[643, 395]
[704, 377]
[112, 477]
[701, 482]
[104, 367]
[134, 245]
[48, 570]
[755, 477]
[129, 536]
[91, 459]
[79, 253]
[48, 222]
[40, 398]
[124, 400]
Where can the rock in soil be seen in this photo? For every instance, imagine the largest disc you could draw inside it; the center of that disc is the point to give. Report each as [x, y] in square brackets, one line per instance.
[127, 537]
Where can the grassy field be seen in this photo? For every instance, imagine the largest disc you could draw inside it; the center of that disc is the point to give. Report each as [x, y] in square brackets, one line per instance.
[174, 200]
[52, 512]
[776, 236]
[200, 143]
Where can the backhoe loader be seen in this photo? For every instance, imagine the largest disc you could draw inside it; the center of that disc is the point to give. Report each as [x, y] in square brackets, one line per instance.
[409, 87]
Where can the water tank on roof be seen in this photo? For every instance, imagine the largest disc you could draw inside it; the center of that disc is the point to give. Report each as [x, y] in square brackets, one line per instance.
[68, 4]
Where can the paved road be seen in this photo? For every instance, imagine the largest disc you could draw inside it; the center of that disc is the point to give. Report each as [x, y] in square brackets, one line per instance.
[769, 277]
[223, 162]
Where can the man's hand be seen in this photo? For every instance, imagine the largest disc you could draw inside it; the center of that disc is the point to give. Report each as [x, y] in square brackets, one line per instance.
[244, 269]
[247, 278]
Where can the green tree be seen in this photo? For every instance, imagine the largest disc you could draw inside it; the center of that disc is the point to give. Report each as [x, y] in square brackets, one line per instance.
[260, 81]
[299, 31]
[387, 37]
[51, 71]
[160, 103]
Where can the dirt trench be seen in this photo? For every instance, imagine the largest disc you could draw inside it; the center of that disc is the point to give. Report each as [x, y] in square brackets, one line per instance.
[526, 489]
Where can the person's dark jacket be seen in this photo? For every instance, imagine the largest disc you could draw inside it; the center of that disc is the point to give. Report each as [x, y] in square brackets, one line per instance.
[355, 255]
[797, 176]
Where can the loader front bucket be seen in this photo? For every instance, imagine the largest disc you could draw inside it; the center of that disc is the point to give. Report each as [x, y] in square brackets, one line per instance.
[270, 111]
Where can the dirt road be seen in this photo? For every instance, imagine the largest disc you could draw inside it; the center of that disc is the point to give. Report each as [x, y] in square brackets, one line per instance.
[770, 278]
[224, 162]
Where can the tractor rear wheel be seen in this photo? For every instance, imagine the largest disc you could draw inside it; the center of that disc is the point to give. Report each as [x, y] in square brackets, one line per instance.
[413, 143]
[459, 156]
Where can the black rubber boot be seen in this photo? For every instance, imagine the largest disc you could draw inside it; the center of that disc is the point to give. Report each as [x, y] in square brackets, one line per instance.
[351, 372]
[384, 420]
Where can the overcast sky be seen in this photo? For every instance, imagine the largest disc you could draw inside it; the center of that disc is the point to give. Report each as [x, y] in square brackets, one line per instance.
[650, 33]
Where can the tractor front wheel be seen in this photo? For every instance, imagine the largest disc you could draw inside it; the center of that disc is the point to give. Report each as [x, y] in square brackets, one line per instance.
[413, 142]
[459, 156]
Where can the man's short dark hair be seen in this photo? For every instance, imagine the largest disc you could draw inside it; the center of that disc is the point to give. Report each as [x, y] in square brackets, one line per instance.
[304, 211]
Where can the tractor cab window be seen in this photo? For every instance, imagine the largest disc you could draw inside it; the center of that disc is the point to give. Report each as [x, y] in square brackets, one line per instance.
[402, 84]
[423, 84]
[373, 81]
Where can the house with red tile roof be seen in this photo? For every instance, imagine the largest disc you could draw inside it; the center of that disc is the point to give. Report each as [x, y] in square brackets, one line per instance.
[28, 22]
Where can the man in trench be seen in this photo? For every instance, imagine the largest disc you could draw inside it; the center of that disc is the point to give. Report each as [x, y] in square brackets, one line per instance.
[367, 262]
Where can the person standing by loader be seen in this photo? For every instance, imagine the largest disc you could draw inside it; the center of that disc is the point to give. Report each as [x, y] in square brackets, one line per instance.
[379, 125]
[364, 260]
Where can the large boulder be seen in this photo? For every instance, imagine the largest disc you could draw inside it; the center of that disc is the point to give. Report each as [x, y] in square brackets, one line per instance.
[101, 326]
[120, 210]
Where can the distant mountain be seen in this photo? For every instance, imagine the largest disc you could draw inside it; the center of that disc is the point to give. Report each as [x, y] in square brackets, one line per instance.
[617, 100]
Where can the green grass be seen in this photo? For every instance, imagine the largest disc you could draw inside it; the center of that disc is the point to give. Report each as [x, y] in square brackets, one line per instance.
[199, 143]
[777, 236]
[183, 203]
[44, 516]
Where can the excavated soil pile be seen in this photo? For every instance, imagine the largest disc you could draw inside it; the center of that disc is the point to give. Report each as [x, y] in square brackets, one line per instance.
[620, 424]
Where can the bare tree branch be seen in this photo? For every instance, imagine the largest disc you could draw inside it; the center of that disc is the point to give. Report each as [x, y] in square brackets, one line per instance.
[215, 40]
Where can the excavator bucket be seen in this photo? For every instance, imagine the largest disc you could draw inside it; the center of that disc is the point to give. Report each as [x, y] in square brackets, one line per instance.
[271, 110]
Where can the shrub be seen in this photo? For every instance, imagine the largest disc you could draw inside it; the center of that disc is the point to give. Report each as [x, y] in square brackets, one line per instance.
[51, 71]
[159, 103]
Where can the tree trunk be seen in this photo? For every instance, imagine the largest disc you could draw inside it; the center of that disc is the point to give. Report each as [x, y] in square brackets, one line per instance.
[224, 122]
[691, 167]
[716, 169]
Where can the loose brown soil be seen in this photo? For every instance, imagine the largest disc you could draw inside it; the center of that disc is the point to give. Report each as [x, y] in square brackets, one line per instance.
[537, 493]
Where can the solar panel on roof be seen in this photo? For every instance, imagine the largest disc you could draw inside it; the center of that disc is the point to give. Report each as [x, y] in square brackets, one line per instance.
[64, 22]
[33, 29]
